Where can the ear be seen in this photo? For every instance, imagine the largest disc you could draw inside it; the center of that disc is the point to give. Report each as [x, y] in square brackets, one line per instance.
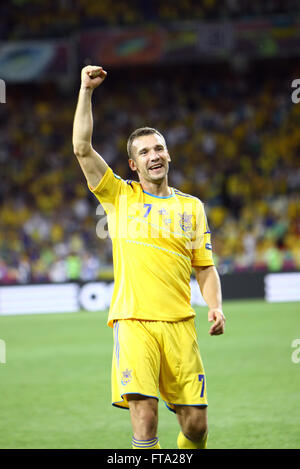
[169, 158]
[132, 164]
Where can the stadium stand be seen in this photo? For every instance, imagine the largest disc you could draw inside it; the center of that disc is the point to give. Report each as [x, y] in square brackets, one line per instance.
[233, 136]
[20, 19]
[234, 144]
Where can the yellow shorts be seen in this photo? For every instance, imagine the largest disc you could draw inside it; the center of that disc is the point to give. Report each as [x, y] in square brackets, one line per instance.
[152, 357]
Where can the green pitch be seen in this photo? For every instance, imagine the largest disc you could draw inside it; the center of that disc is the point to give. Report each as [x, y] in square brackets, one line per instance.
[55, 385]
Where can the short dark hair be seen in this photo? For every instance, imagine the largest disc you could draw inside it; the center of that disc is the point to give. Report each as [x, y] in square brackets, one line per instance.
[140, 133]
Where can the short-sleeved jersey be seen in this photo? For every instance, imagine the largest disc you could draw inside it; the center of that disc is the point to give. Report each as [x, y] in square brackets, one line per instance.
[156, 242]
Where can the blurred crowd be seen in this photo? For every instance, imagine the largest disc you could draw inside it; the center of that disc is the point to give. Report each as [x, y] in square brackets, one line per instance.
[21, 19]
[234, 140]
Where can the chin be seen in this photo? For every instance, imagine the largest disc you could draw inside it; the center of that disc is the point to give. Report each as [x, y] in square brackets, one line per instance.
[158, 177]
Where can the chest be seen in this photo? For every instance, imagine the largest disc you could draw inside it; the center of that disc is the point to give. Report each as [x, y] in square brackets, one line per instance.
[162, 218]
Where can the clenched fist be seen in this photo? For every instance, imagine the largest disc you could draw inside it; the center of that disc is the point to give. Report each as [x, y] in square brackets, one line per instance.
[92, 76]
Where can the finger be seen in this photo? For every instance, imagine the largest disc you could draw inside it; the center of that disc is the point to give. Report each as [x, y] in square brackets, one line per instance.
[99, 72]
[214, 329]
[217, 331]
[212, 317]
[88, 68]
[93, 73]
[215, 317]
[214, 314]
[217, 328]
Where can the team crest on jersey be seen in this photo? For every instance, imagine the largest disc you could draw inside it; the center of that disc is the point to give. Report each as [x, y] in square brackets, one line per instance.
[185, 221]
[126, 377]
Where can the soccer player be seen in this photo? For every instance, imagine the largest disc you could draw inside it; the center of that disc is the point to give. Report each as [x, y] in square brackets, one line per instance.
[159, 234]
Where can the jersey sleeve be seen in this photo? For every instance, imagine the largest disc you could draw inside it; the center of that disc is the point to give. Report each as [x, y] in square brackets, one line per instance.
[109, 189]
[202, 248]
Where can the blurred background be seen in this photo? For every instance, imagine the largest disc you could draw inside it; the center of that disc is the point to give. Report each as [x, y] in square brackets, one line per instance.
[214, 77]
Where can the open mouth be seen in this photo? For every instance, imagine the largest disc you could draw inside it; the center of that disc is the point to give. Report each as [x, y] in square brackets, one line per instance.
[156, 167]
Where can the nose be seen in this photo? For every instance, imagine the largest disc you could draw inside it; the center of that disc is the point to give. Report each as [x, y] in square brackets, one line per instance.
[153, 155]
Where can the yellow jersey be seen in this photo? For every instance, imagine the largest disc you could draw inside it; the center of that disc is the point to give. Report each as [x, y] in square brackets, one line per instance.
[156, 242]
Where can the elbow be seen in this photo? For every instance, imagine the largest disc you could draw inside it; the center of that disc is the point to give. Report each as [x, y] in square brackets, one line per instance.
[206, 268]
[81, 149]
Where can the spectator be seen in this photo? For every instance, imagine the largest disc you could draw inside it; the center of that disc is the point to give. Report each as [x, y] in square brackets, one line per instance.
[237, 151]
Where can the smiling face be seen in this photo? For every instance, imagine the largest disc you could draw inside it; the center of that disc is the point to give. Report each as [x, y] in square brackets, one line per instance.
[150, 158]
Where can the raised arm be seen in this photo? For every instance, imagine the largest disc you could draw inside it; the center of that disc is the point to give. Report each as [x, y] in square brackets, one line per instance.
[92, 164]
[209, 282]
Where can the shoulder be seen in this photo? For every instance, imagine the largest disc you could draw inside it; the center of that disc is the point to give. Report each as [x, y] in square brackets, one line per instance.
[134, 185]
[194, 203]
[128, 184]
[183, 195]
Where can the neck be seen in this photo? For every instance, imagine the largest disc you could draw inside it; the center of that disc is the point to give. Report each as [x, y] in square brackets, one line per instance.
[160, 189]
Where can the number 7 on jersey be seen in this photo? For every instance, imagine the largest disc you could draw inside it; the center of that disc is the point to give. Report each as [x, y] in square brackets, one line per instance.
[148, 207]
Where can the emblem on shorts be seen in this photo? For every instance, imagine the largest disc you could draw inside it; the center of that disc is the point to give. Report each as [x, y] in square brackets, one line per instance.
[185, 221]
[126, 377]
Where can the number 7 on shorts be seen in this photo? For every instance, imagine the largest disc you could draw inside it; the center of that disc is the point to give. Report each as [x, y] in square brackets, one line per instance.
[202, 380]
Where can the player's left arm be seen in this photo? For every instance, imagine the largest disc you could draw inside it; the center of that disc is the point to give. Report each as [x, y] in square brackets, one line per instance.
[209, 282]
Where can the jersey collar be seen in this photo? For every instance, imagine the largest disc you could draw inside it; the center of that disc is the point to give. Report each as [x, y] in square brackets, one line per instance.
[161, 197]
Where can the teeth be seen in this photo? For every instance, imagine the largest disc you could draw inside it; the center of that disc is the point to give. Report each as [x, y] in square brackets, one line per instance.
[157, 166]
